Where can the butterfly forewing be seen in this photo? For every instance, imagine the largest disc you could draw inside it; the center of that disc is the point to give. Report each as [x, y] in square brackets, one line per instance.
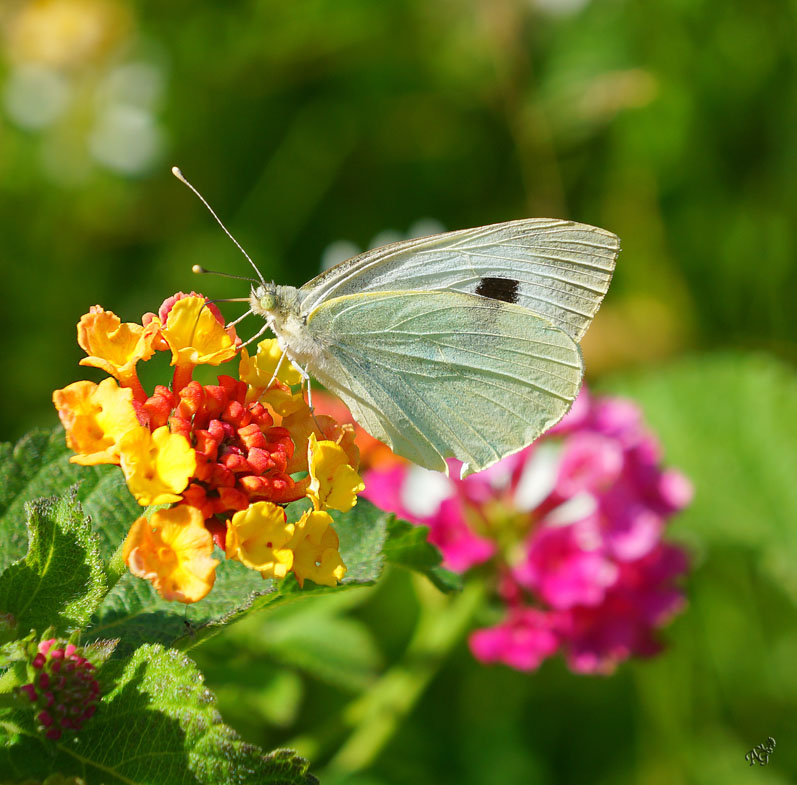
[445, 374]
[560, 270]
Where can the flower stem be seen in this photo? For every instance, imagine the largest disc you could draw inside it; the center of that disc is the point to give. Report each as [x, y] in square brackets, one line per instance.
[182, 376]
[375, 715]
[116, 566]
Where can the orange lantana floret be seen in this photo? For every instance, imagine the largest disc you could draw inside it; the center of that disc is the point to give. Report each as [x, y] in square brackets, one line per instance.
[115, 347]
[173, 552]
[157, 465]
[96, 417]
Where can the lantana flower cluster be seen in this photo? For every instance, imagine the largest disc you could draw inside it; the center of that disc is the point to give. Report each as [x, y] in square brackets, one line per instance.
[224, 457]
[569, 531]
[64, 688]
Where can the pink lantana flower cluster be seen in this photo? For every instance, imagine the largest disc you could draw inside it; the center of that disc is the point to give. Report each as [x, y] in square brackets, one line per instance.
[570, 530]
[64, 688]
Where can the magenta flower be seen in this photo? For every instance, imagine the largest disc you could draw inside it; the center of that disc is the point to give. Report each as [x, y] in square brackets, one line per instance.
[572, 526]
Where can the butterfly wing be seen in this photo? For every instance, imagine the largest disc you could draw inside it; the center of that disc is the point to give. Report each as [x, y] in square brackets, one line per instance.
[558, 269]
[445, 374]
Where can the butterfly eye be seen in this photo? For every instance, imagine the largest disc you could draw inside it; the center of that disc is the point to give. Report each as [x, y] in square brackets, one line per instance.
[267, 301]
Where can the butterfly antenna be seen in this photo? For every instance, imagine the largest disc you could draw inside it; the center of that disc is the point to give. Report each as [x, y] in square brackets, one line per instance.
[179, 175]
[198, 269]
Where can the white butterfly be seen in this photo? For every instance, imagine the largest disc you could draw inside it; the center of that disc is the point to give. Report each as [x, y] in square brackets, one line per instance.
[462, 344]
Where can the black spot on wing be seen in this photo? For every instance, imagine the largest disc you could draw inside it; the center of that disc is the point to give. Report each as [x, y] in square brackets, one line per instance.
[498, 289]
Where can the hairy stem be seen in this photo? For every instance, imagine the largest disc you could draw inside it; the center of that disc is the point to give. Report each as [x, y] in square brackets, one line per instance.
[116, 566]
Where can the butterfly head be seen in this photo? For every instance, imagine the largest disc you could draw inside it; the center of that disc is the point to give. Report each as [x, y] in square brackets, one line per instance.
[263, 298]
[270, 300]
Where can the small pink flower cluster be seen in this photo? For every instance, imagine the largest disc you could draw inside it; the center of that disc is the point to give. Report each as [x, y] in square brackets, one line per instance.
[64, 688]
[573, 527]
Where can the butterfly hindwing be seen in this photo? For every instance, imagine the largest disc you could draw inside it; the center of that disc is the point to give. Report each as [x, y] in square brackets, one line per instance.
[445, 374]
[557, 269]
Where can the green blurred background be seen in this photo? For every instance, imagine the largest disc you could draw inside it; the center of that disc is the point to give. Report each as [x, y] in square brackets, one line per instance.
[321, 127]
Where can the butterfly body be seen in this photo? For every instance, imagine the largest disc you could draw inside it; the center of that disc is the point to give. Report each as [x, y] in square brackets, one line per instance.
[459, 345]
[279, 306]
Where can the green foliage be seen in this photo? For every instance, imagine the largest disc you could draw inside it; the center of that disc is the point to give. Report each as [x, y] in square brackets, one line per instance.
[61, 581]
[157, 723]
[407, 546]
[320, 638]
[368, 538]
[353, 118]
[38, 465]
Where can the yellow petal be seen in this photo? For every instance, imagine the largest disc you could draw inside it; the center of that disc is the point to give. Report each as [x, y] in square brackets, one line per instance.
[258, 371]
[113, 346]
[315, 550]
[195, 336]
[258, 537]
[334, 482]
[157, 465]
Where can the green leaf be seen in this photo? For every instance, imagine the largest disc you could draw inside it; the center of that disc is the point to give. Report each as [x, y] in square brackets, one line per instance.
[729, 422]
[33, 467]
[38, 465]
[334, 649]
[158, 724]
[133, 611]
[314, 637]
[407, 546]
[61, 581]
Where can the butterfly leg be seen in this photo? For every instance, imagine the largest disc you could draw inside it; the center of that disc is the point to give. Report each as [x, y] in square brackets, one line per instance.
[240, 318]
[306, 379]
[255, 336]
[276, 370]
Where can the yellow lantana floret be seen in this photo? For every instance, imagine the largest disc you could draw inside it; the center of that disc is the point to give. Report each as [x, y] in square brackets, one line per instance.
[113, 346]
[315, 550]
[275, 391]
[258, 371]
[196, 336]
[334, 483]
[96, 417]
[173, 552]
[258, 537]
[157, 465]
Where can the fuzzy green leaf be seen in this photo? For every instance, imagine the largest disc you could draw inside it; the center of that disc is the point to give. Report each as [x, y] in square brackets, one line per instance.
[157, 725]
[61, 580]
[38, 465]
